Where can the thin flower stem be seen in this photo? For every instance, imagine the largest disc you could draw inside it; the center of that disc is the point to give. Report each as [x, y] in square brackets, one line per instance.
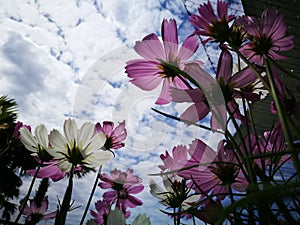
[185, 121]
[28, 193]
[250, 174]
[62, 214]
[91, 196]
[283, 119]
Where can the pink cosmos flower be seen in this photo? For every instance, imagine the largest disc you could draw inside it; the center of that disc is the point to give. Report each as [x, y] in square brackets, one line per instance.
[267, 37]
[16, 132]
[123, 185]
[101, 213]
[36, 214]
[270, 144]
[114, 136]
[199, 107]
[214, 26]
[211, 173]
[148, 73]
[225, 89]
[49, 170]
[177, 162]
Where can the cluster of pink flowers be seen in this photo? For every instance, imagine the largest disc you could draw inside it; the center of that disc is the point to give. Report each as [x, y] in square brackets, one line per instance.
[122, 186]
[200, 181]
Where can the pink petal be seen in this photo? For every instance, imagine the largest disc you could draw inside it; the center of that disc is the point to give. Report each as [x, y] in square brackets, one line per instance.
[195, 112]
[50, 216]
[136, 189]
[243, 78]
[170, 38]
[142, 68]
[164, 97]
[284, 44]
[180, 95]
[188, 48]
[108, 127]
[147, 83]
[224, 70]
[201, 152]
[44, 206]
[150, 48]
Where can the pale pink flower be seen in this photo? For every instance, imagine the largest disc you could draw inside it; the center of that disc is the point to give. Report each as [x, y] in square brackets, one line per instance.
[267, 38]
[149, 72]
[177, 162]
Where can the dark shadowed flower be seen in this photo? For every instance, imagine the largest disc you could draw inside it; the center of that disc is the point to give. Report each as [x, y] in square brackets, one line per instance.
[267, 38]
[36, 214]
[114, 135]
[123, 185]
[18, 126]
[209, 24]
[149, 72]
[101, 213]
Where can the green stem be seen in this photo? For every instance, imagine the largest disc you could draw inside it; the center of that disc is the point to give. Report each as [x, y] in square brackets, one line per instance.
[28, 193]
[62, 214]
[283, 118]
[91, 196]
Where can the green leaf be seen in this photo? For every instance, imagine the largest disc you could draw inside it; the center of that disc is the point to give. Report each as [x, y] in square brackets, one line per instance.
[116, 217]
[91, 222]
[141, 219]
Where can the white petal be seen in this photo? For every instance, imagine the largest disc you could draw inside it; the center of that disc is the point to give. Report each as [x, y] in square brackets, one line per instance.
[97, 141]
[59, 144]
[70, 130]
[28, 140]
[64, 165]
[85, 134]
[97, 158]
[156, 190]
[41, 134]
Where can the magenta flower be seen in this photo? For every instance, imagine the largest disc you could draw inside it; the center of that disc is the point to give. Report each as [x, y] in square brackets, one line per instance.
[49, 170]
[101, 213]
[148, 73]
[267, 37]
[271, 144]
[114, 136]
[123, 185]
[213, 174]
[199, 107]
[209, 24]
[36, 214]
[16, 132]
[226, 88]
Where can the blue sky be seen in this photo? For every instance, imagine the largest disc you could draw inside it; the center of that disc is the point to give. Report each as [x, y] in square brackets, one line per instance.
[67, 58]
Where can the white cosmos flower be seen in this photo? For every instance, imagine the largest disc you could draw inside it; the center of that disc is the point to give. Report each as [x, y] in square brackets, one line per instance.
[165, 195]
[78, 146]
[36, 144]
